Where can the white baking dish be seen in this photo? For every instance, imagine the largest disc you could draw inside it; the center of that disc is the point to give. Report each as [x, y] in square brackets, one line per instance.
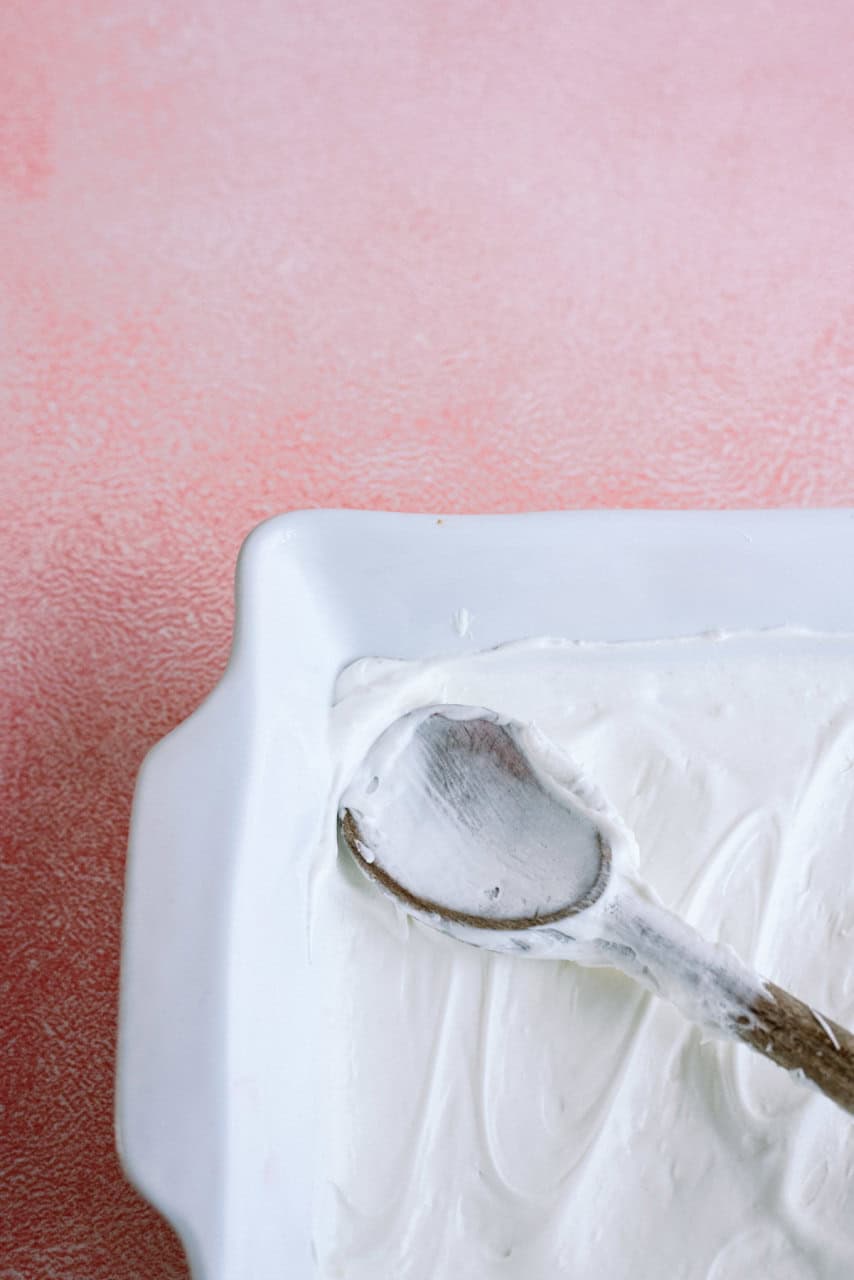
[216, 1051]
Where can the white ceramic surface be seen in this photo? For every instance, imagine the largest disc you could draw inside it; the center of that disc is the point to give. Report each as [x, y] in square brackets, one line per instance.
[216, 1021]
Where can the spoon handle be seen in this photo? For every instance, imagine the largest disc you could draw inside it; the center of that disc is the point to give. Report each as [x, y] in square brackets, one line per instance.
[712, 986]
[798, 1038]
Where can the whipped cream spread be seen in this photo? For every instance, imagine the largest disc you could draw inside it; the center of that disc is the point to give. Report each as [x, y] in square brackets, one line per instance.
[491, 1115]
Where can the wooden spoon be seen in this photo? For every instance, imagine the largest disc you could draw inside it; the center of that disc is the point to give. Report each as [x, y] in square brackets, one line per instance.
[483, 829]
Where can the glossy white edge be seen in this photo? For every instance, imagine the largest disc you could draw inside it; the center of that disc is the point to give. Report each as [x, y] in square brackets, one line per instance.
[215, 1025]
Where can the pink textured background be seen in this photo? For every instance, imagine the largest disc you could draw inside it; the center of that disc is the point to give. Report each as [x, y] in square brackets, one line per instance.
[263, 254]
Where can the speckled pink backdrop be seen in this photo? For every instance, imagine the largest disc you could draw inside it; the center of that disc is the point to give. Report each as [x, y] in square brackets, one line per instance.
[263, 254]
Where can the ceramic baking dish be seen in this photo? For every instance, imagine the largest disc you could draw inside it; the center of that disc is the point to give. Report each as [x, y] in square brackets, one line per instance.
[215, 1104]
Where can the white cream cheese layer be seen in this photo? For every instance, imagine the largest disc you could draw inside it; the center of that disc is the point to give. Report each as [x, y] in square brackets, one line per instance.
[491, 1116]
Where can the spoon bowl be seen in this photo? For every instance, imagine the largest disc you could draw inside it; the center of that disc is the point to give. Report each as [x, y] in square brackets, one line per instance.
[451, 815]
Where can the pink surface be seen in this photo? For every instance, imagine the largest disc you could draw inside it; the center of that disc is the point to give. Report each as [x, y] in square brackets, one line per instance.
[274, 254]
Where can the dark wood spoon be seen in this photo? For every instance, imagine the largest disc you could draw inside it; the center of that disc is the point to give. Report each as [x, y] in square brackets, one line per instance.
[493, 836]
